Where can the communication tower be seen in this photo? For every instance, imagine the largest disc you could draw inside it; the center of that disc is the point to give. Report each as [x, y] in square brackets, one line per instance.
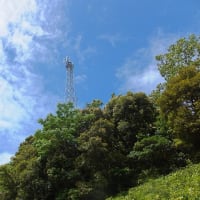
[70, 92]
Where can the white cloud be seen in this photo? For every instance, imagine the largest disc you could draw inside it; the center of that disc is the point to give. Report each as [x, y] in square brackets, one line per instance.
[80, 78]
[111, 38]
[5, 157]
[82, 53]
[25, 35]
[19, 89]
[13, 11]
[14, 77]
[139, 71]
[2, 54]
[144, 81]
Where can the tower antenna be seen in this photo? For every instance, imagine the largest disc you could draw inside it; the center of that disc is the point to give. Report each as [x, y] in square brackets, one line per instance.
[69, 91]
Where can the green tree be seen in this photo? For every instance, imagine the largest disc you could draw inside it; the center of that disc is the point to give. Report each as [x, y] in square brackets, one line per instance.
[185, 52]
[133, 115]
[44, 166]
[94, 159]
[8, 182]
[180, 105]
[22, 177]
[57, 150]
[156, 155]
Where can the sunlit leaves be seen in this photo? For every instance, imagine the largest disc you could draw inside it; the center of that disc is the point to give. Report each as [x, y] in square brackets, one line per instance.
[185, 52]
[180, 185]
[180, 102]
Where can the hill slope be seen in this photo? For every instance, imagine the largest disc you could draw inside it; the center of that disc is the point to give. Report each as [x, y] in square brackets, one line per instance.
[181, 185]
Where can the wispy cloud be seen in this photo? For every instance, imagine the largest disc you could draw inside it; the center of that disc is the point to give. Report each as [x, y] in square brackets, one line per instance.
[113, 39]
[13, 12]
[80, 78]
[15, 78]
[139, 71]
[81, 52]
[26, 33]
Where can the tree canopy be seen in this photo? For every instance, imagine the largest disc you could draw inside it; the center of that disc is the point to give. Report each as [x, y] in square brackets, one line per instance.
[185, 52]
[180, 104]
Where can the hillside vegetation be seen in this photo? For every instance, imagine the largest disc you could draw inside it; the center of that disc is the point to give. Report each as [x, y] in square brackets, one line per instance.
[181, 185]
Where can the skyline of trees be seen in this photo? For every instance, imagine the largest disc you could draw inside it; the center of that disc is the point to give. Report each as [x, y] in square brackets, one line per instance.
[101, 150]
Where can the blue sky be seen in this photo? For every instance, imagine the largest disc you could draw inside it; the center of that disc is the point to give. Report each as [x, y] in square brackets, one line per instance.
[112, 44]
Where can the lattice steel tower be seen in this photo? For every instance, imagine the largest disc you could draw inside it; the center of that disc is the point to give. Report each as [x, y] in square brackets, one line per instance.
[69, 90]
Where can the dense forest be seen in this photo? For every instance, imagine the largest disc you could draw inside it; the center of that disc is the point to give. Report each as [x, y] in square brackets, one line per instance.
[101, 150]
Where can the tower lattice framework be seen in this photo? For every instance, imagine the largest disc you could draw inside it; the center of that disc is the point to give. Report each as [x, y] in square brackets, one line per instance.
[70, 92]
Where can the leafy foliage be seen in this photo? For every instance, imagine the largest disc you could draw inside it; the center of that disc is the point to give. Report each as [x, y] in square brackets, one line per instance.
[180, 105]
[8, 185]
[81, 154]
[132, 115]
[155, 153]
[181, 185]
[185, 52]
